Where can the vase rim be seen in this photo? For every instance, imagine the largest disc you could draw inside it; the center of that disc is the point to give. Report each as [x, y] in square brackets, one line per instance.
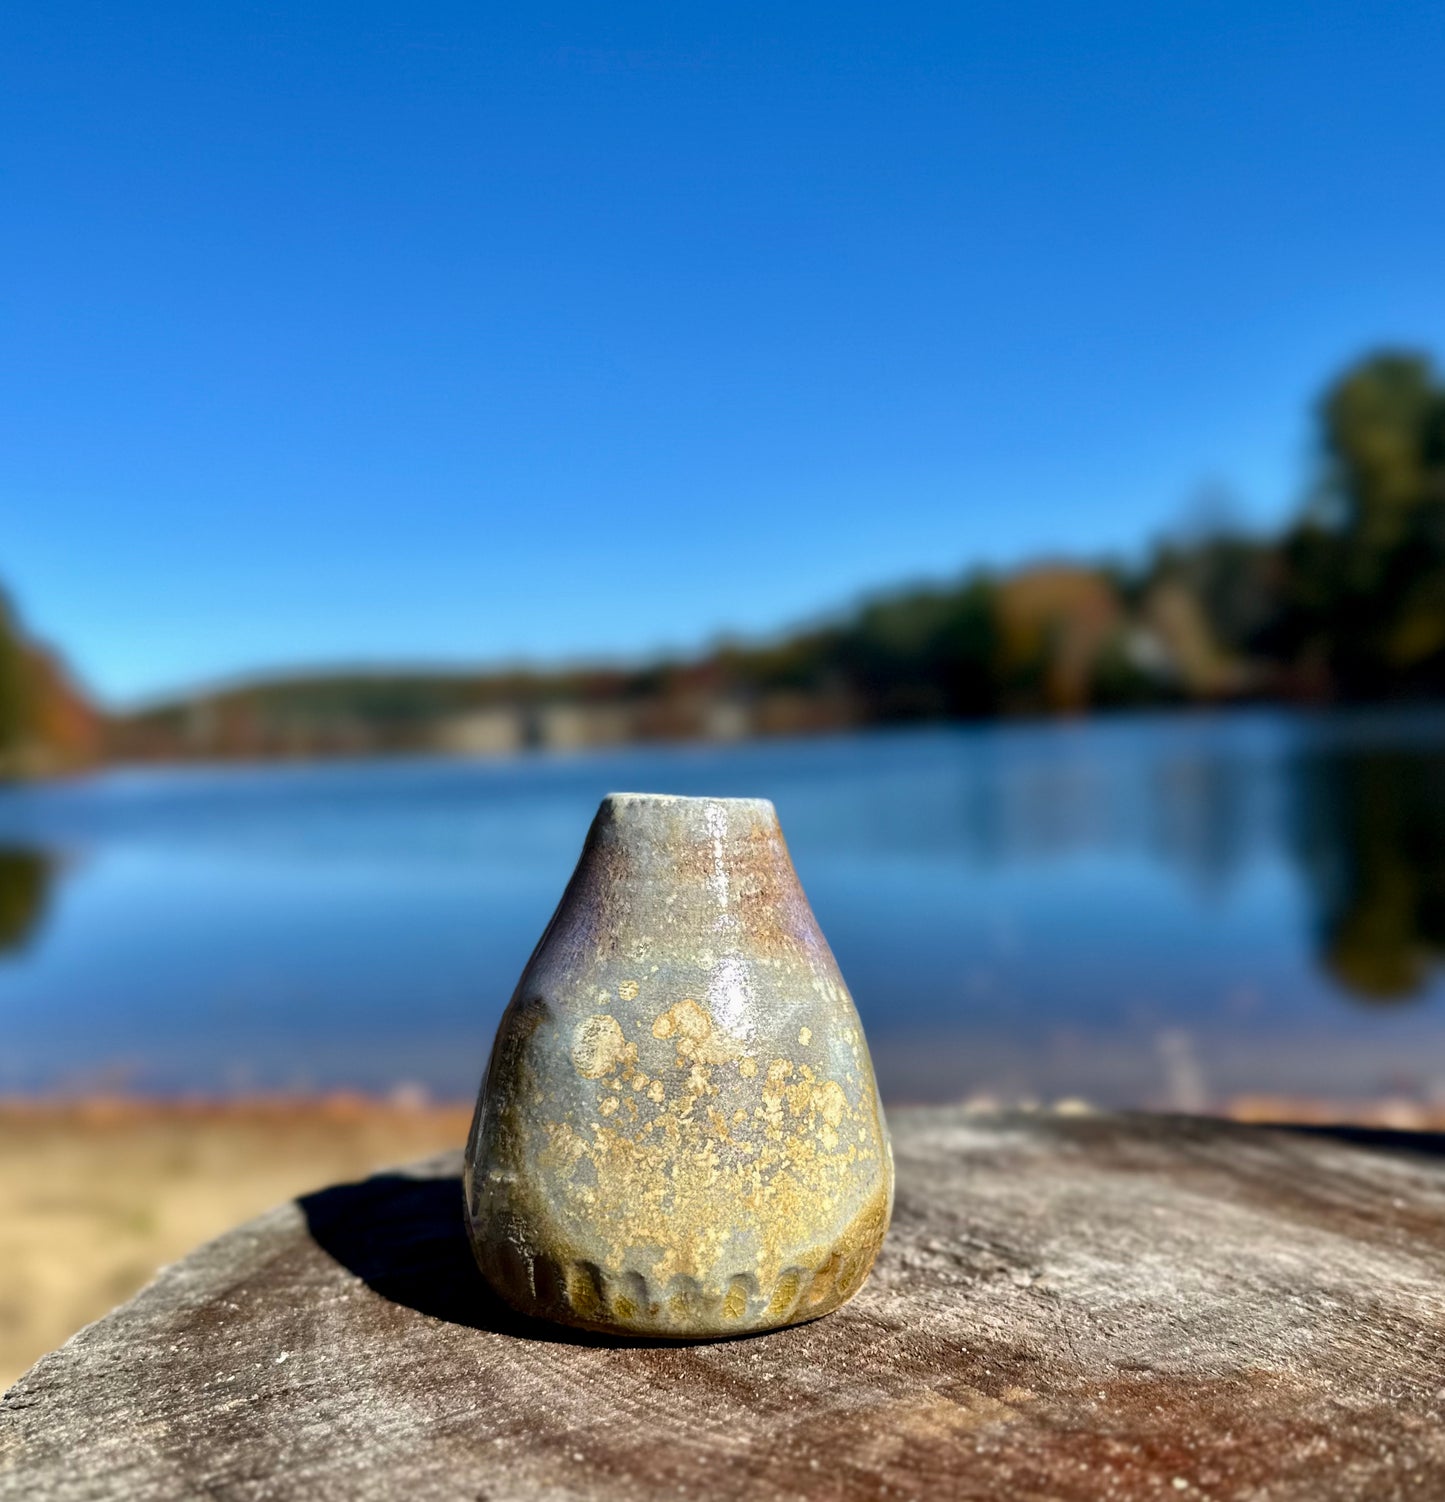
[683, 798]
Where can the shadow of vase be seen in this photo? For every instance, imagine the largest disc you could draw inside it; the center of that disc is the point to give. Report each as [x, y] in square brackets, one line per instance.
[406, 1239]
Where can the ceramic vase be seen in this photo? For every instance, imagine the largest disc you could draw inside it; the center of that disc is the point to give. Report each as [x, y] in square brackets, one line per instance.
[679, 1134]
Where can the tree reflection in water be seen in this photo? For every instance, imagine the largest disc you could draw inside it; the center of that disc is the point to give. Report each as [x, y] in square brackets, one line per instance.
[25, 878]
[1370, 833]
[1363, 824]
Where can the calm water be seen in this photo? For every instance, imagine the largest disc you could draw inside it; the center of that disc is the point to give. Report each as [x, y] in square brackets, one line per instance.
[1164, 911]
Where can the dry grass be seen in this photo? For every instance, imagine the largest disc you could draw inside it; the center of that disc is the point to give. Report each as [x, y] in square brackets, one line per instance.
[96, 1196]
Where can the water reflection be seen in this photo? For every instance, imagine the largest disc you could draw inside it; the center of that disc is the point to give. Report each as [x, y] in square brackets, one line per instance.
[1370, 839]
[1134, 910]
[25, 880]
[1206, 815]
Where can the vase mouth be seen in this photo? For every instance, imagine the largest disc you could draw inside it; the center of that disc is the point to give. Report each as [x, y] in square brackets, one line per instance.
[625, 800]
[674, 820]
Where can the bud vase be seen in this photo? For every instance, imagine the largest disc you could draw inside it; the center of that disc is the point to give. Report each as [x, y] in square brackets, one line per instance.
[679, 1134]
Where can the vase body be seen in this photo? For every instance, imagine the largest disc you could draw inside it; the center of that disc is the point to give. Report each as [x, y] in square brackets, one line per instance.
[679, 1133]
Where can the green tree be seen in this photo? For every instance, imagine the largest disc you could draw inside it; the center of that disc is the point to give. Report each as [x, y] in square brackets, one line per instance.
[15, 688]
[926, 653]
[1376, 421]
[1367, 562]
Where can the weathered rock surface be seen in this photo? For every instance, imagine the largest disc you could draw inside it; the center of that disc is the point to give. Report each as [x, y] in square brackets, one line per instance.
[1065, 1308]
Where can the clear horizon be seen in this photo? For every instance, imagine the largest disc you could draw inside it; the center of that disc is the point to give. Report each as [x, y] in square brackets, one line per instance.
[457, 338]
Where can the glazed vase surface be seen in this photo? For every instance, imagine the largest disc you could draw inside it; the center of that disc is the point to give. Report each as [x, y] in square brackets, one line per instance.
[679, 1134]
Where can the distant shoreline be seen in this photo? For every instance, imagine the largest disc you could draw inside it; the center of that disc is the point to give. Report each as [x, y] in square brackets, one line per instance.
[1416, 711]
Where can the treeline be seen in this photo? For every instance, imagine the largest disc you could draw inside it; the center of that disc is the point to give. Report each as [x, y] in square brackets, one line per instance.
[1347, 603]
[46, 723]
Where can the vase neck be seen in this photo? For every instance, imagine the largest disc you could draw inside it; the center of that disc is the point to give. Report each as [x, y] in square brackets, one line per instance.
[690, 841]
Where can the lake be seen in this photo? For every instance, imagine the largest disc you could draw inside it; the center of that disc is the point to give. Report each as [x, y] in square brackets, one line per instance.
[1158, 910]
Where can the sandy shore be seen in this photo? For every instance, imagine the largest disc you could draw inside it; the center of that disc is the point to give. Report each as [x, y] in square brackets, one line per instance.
[95, 1196]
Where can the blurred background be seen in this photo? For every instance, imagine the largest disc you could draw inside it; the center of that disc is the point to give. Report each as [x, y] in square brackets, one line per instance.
[1010, 439]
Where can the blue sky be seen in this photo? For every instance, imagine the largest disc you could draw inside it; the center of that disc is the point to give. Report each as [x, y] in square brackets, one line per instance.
[456, 333]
